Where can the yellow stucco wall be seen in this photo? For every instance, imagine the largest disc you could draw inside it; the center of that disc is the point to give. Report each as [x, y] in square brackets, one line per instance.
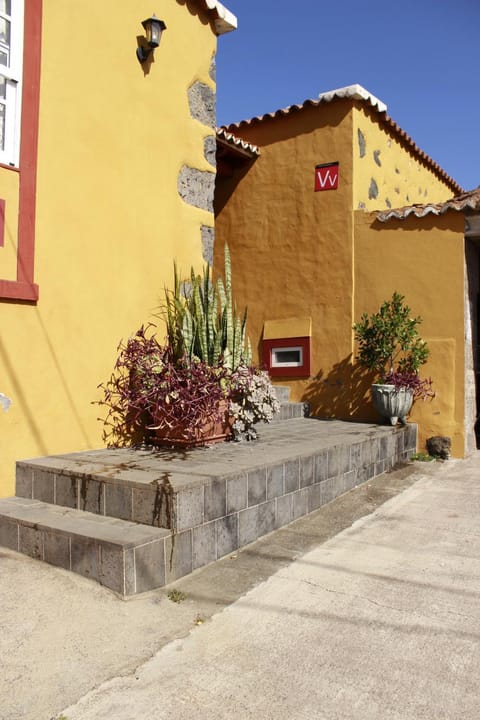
[386, 172]
[423, 259]
[109, 218]
[291, 247]
[297, 252]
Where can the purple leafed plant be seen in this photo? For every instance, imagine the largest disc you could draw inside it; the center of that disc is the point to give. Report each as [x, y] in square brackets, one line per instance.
[148, 391]
[422, 389]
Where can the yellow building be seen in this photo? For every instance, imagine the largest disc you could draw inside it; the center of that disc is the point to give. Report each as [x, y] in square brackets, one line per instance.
[297, 198]
[107, 168]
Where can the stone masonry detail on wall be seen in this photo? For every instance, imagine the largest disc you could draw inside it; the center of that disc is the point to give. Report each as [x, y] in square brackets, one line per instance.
[361, 143]
[373, 189]
[207, 243]
[210, 150]
[213, 68]
[196, 187]
[201, 99]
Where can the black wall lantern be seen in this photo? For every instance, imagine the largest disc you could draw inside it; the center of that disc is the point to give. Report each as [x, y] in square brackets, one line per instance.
[153, 32]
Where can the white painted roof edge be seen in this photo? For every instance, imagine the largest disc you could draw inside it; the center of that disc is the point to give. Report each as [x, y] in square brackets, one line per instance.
[226, 21]
[357, 92]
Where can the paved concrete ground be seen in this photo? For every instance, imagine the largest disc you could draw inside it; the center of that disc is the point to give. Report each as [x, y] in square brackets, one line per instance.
[379, 621]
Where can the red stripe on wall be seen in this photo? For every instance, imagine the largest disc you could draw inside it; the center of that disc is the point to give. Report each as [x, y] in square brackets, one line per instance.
[24, 288]
[2, 223]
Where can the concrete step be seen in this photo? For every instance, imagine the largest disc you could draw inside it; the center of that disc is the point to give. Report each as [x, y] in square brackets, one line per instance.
[182, 489]
[289, 411]
[282, 392]
[207, 502]
[125, 557]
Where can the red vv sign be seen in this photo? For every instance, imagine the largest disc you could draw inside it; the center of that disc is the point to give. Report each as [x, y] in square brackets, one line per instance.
[326, 176]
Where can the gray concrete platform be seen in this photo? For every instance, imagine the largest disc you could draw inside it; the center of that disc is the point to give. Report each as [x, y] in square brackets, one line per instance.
[211, 500]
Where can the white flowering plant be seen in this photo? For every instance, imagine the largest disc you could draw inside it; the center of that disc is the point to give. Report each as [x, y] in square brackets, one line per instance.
[252, 400]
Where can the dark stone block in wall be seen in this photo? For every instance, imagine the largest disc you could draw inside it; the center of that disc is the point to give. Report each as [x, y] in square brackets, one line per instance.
[213, 68]
[196, 187]
[208, 238]
[202, 101]
[362, 145]
[373, 189]
[210, 149]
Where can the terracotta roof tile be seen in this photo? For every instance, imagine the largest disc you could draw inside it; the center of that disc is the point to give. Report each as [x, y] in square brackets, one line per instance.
[466, 201]
[356, 92]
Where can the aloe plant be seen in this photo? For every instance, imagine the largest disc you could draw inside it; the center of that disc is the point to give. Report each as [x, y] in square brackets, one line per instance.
[173, 311]
[203, 322]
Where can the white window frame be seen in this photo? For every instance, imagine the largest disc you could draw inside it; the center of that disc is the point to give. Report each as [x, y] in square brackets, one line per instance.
[276, 363]
[10, 155]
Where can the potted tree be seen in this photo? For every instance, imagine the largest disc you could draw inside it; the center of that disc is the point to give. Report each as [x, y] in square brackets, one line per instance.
[389, 345]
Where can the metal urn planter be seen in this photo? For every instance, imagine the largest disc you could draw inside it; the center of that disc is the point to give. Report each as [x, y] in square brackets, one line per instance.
[392, 403]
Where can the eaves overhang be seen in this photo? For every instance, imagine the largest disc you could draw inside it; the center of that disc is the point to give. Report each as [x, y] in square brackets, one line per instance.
[235, 144]
[223, 20]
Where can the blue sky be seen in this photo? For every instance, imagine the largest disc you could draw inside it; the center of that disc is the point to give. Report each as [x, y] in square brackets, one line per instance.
[422, 59]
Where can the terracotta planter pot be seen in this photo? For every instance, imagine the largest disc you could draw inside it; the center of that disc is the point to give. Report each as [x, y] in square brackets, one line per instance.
[392, 403]
[213, 428]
